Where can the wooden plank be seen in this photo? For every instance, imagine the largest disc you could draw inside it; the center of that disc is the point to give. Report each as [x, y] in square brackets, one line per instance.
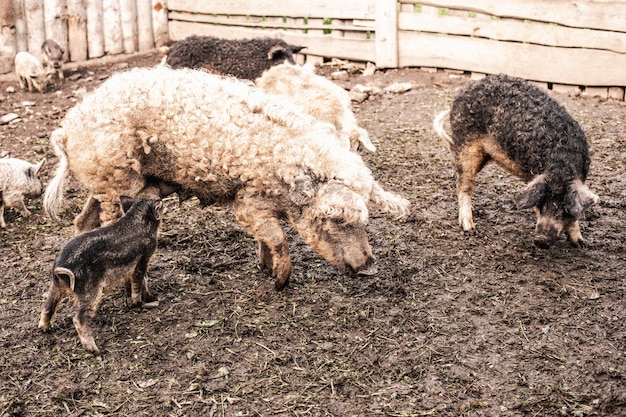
[574, 13]
[386, 34]
[515, 30]
[322, 45]
[33, 11]
[76, 30]
[258, 22]
[533, 62]
[346, 9]
[8, 41]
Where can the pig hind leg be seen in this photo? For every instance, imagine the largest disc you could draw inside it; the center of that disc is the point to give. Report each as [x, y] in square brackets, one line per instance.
[55, 295]
[87, 305]
[469, 160]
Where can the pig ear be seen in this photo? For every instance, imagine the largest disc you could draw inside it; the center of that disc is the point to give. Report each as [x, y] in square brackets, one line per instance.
[34, 169]
[39, 166]
[275, 51]
[532, 193]
[579, 198]
[126, 202]
[157, 209]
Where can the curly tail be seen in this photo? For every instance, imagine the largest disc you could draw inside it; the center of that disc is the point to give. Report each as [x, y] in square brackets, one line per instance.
[438, 126]
[53, 197]
[389, 202]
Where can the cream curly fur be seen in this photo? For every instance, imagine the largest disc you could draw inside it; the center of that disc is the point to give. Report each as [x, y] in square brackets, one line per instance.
[319, 97]
[222, 140]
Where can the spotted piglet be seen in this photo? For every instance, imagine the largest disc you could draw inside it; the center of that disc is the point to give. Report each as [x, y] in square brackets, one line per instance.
[508, 120]
[102, 259]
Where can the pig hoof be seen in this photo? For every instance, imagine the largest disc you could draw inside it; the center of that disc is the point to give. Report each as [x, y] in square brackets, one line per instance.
[542, 242]
[579, 244]
[151, 304]
[280, 284]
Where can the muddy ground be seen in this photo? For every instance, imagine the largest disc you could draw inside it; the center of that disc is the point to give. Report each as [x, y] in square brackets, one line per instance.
[452, 325]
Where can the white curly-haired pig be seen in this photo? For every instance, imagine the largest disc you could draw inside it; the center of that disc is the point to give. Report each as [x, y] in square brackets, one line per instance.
[18, 179]
[223, 141]
[319, 97]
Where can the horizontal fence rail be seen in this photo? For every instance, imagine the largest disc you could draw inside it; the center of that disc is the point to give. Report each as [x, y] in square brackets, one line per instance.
[559, 42]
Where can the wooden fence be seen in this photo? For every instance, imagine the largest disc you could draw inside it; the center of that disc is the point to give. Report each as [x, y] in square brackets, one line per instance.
[561, 43]
[571, 43]
[83, 28]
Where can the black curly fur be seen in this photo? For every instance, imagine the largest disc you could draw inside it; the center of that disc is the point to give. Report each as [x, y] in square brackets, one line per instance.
[242, 58]
[533, 129]
[510, 121]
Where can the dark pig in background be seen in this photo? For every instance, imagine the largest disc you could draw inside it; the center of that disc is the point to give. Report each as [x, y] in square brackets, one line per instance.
[102, 259]
[520, 127]
[241, 58]
[52, 58]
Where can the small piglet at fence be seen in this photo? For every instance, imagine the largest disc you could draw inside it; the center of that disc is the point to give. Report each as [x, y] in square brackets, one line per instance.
[30, 72]
[52, 58]
[18, 179]
[520, 127]
[102, 259]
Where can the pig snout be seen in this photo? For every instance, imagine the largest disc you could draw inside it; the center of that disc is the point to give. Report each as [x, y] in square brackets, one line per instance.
[546, 232]
[368, 269]
[359, 265]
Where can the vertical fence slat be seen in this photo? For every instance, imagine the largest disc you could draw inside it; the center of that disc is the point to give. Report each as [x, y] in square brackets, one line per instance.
[76, 30]
[55, 18]
[95, 34]
[128, 10]
[20, 25]
[8, 40]
[386, 34]
[33, 11]
[144, 25]
[159, 22]
[112, 21]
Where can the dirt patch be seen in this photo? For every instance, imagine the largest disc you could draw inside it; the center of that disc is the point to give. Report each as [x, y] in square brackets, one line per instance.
[452, 325]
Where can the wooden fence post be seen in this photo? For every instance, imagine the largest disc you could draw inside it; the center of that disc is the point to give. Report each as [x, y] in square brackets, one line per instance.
[386, 34]
[144, 25]
[76, 30]
[33, 10]
[20, 25]
[129, 25]
[8, 41]
[112, 21]
[159, 22]
[95, 34]
[54, 12]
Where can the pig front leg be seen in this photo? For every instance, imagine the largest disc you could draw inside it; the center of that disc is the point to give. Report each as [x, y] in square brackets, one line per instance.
[139, 292]
[257, 215]
[574, 236]
[16, 201]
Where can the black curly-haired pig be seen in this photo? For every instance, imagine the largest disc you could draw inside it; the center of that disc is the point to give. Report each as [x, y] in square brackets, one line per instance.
[102, 259]
[520, 127]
